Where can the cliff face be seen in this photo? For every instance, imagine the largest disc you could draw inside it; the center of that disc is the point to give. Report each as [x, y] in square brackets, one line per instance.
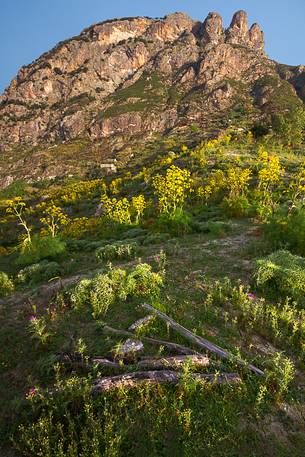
[137, 76]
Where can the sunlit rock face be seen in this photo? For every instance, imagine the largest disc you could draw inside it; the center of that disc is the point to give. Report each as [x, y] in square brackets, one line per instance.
[134, 76]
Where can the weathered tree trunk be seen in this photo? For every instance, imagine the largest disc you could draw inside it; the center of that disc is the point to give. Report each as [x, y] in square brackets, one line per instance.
[158, 363]
[154, 363]
[201, 342]
[173, 347]
[130, 380]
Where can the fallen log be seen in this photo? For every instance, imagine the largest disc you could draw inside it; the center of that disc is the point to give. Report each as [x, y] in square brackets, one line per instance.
[158, 363]
[157, 377]
[201, 342]
[153, 363]
[170, 346]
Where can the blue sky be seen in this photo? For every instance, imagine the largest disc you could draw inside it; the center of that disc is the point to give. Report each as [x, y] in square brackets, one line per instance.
[30, 27]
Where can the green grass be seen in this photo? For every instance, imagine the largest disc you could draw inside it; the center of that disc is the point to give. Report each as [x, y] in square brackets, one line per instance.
[258, 417]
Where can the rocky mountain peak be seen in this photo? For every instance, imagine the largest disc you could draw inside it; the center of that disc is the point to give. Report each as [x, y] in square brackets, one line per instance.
[136, 77]
[239, 33]
[212, 30]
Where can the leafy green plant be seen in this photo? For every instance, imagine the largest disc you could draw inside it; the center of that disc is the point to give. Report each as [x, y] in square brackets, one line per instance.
[237, 206]
[102, 295]
[282, 272]
[286, 230]
[176, 223]
[100, 292]
[38, 272]
[38, 329]
[6, 284]
[41, 247]
[280, 374]
[119, 250]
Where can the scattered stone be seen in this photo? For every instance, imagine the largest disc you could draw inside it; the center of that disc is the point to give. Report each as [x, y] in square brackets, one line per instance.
[129, 351]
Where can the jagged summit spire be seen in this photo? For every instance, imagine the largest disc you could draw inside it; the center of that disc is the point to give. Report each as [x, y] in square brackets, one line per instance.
[212, 32]
[212, 29]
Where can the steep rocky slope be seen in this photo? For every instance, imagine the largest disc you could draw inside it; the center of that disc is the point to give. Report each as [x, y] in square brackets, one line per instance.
[130, 78]
[138, 74]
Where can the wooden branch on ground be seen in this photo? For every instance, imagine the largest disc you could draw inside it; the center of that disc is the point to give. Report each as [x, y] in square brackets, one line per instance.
[201, 342]
[153, 363]
[156, 377]
[158, 363]
[173, 347]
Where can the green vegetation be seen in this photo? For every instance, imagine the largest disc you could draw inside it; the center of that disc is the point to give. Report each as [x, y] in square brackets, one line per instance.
[146, 94]
[116, 251]
[284, 273]
[6, 284]
[210, 233]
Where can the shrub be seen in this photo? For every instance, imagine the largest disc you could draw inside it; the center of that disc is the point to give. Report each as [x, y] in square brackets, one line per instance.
[282, 272]
[155, 238]
[216, 228]
[85, 245]
[102, 295]
[286, 230]
[236, 206]
[38, 272]
[172, 189]
[143, 282]
[6, 284]
[81, 295]
[116, 251]
[135, 233]
[281, 374]
[177, 223]
[46, 247]
[100, 292]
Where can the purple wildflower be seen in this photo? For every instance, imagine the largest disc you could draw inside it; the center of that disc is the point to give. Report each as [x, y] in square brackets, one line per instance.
[251, 296]
[32, 391]
[32, 318]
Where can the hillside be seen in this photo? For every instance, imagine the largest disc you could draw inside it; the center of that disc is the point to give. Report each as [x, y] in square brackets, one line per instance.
[123, 82]
[152, 259]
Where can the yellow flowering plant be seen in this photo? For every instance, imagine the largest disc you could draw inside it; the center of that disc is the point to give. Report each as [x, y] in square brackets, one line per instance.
[237, 181]
[53, 218]
[269, 176]
[17, 207]
[215, 182]
[138, 205]
[114, 186]
[172, 189]
[116, 210]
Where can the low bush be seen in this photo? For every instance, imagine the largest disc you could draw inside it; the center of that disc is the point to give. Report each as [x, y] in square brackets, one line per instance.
[135, 233]
[102, 295]
[282, 272]
[85, 245]
[155, 238]
[45, 247]
[286, 230]
[237, 207]
[6, 284]
[100, 292]
[116, 251]
[176, 224]
[38, 272]
[216, 228]
[282, 323]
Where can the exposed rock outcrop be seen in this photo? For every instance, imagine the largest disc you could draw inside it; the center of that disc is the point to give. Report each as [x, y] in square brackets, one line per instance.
[134, 77]
[212, 30]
